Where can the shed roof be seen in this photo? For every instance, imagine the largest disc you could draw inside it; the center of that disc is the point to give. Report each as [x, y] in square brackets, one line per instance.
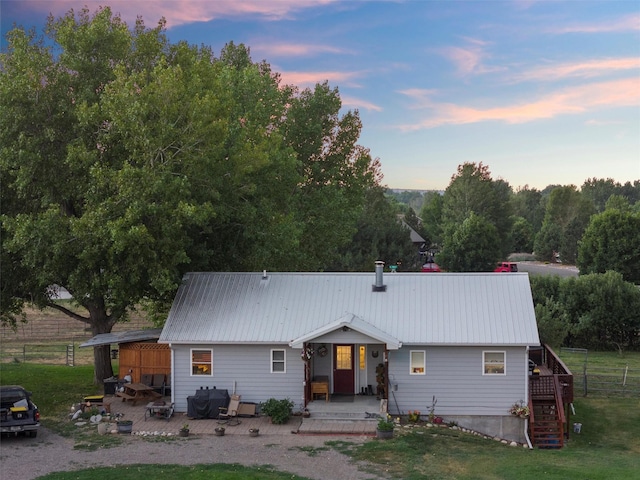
[415, 308]
[123, 337]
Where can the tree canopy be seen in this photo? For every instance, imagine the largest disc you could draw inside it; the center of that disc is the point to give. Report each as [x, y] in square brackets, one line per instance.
[127, 161]
[612, 242]
[476, 220]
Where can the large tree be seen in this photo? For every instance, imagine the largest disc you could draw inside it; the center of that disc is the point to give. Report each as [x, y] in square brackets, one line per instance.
[612, 242]
[472, 190]
[69, 217]
[335, 172]
[472, 246]
[567, 214]
[127, 161]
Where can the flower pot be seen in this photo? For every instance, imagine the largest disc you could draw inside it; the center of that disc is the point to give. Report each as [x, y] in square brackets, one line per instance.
[384, 434]
[254, 432]
[184, 433]
[219, 431]
[103, 428]
[125, 426]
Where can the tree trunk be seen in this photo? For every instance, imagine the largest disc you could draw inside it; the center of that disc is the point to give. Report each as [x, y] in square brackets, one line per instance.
[100, 323]
[102, 363]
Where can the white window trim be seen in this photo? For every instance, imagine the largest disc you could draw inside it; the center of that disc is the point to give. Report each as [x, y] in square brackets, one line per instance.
[504, 363]
[424, 362]
[191, 362]
[283, 361]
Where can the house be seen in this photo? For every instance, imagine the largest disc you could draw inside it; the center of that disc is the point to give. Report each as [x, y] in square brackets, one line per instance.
[462, 338]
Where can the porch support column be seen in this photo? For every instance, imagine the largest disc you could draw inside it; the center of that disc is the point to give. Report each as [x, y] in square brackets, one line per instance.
[307, 378]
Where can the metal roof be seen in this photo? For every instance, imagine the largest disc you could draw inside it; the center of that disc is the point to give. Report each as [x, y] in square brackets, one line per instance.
[415, 308]
[123, 337]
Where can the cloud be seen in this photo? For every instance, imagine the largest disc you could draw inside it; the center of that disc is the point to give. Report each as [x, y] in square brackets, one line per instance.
[579, 69]
[574, 100]
[348, 101]
[306, 79]
[181, 12]
[468, 60]
[624, 24]
[297, 49]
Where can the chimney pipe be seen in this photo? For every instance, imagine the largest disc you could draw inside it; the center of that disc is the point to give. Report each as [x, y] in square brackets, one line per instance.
[379, 286]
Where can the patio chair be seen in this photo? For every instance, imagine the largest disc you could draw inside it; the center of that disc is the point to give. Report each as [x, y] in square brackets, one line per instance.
[146, 379]
[166, 386]
[158, 382]
[229, 415]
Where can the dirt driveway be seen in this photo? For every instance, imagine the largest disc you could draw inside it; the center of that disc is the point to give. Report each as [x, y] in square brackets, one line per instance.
[304, 455]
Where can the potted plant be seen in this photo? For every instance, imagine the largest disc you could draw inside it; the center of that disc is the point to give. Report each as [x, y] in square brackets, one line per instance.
[219, 431]
[278, 410]
[184, 431]
[385, 427]
[254, 432]
[520, 409]
[125, 426]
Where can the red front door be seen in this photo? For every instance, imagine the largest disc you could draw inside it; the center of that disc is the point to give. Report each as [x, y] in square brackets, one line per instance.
[343, 381]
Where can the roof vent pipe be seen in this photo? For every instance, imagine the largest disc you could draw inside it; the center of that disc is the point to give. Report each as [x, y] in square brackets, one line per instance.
[379, 286]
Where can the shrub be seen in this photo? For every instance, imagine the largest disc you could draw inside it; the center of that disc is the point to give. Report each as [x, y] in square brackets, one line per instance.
[279, 410]
[385, 424]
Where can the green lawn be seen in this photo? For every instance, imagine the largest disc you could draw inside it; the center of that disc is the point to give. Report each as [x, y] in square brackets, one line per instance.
[607, 448]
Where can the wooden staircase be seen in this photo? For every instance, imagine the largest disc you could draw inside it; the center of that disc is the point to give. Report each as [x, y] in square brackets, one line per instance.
[547, 420]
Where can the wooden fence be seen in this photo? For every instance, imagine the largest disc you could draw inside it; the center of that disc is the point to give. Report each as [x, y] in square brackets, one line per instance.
[47, 354]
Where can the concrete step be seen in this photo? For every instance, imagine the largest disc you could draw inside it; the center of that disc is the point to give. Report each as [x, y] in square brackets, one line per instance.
[337, 426]
[341, 416]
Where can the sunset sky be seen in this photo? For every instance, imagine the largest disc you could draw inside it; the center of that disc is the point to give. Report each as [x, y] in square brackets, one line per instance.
[543, 92]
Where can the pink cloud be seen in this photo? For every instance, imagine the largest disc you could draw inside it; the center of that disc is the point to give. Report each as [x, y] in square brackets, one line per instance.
[581, 99]
[348, 101]
[581, 69]
[468, 60]
[180, 12]
[306, 79]
[297, 49]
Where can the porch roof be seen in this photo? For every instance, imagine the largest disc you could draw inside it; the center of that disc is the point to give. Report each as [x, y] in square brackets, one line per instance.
[353, 322]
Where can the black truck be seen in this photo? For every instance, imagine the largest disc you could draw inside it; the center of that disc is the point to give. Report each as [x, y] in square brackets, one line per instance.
[18, 414]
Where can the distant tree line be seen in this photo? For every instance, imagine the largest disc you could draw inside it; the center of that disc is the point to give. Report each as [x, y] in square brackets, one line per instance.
[478, 221]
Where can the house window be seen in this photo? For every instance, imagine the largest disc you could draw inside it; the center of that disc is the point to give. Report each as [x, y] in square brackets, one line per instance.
[417, 360]
[363, 357]
[201, 362]
[278, 361]
[493, 363]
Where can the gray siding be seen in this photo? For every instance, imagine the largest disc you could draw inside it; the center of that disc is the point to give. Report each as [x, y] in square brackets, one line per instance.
[454, 376]
[243, 368]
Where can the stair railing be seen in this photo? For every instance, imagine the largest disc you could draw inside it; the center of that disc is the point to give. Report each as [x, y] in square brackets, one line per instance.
[562, 420]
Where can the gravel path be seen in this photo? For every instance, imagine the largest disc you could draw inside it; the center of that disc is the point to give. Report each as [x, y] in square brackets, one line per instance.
[29, 458]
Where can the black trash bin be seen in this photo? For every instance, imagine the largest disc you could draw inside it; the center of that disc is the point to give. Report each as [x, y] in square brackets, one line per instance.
[110, 385]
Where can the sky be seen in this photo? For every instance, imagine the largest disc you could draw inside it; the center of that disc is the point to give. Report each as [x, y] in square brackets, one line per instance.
[542, 92]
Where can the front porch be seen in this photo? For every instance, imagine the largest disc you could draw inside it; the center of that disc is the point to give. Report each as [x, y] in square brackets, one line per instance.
[346, 414]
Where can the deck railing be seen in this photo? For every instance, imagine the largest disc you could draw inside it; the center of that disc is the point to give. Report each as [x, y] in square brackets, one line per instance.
[561, 372]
